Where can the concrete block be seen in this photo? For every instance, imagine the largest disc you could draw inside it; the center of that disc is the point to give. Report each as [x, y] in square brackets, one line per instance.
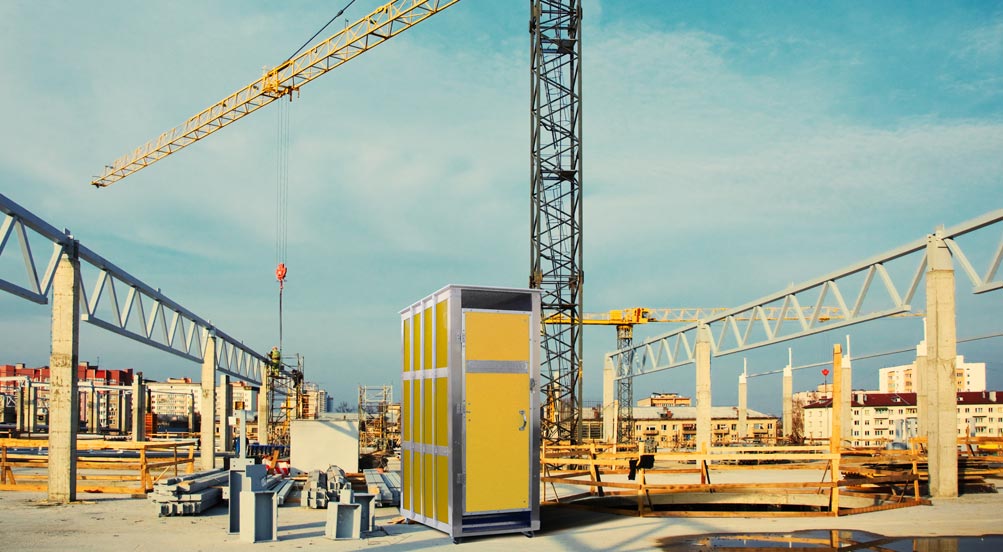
[368, 503]
[344, 521]
[258, 516]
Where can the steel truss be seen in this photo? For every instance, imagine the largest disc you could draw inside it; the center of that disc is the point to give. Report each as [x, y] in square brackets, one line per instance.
[134, 309]
[676, 348]
[556, 206]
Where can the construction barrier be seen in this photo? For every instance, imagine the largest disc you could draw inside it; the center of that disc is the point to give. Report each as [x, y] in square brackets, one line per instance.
[113, 467]
[868, 482]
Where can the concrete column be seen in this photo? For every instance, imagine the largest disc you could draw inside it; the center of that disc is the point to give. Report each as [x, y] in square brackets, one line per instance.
[743, 405]
[92, 409]
[32, 404]
[942, 398]
[702, 355]
[64, 409]
[610, 406]
[20, 409]
[207, 431]
[138, 408]
[120, 406]
[225, 408]
[263, 408]
[191, 414]
[919, 384]
[846, 405]
[788, 400]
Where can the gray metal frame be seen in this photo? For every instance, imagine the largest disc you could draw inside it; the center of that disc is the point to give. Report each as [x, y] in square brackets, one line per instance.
[676, 348]
[164, 324]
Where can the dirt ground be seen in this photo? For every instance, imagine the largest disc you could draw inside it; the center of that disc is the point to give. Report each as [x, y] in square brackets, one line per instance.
[106, 523]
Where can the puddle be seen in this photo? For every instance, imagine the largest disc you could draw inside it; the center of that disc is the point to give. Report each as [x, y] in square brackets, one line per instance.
[822, 540]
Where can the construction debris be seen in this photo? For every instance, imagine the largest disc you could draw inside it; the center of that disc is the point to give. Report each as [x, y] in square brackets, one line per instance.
[386, 487]
[189, 495]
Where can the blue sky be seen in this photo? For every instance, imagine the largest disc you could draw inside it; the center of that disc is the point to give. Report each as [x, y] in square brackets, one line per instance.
[730, 149]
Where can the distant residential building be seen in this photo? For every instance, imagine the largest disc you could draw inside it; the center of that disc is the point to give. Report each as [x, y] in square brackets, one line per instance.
[85, 373]
[969, 376]
[675, 426]
[176, 398]
[314, 401]
[665, 399]
[244, 396]
[878, 418]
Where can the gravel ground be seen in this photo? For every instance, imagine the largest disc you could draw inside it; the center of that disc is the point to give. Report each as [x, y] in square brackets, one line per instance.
[100, 522]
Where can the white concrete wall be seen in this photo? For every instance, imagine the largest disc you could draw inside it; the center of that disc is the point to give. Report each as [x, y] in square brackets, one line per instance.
[317, 444]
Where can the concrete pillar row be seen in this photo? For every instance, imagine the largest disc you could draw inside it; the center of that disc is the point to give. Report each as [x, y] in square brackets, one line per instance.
[64, 410]
[703, 388]
[938, 377]
[207, 430]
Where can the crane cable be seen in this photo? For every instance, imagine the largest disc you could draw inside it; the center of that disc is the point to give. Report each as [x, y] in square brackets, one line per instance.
[336, 16]
[282, 140]
[281, 203]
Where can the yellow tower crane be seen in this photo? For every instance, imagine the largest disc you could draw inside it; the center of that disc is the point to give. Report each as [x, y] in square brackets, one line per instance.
[384, 23]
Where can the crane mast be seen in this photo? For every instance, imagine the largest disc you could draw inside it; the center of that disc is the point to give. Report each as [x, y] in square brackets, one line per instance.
[556, 207]
[381, 25]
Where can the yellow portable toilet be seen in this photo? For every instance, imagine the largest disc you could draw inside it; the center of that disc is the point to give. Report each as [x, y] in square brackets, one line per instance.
[470, 435]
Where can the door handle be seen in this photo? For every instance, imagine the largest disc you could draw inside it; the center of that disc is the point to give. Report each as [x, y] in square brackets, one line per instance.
[524, 421]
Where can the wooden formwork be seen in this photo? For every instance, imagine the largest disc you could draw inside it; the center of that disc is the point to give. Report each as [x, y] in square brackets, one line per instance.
[599, 470]
[133, 469]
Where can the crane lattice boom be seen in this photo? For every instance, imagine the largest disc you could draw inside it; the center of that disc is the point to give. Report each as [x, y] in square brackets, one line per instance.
[376, 28]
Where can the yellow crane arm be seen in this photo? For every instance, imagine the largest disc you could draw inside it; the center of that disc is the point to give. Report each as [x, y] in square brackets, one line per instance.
[376, 28]
[642, 315]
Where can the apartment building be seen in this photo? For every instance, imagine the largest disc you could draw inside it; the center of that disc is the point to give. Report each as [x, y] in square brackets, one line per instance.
[676, 426]
[969, 376]
[879, 418]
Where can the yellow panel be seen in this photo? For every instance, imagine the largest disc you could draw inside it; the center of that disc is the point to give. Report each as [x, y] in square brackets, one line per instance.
[427, 411]
[406, 411]
[416, 487]
[497, 336]
[426, 342]
[441, 412]
[407, 345]
[442, 334]
[442, 488]
[416, 343]
[429, 471]
[416, 419]
[497, 451]
[406, 468]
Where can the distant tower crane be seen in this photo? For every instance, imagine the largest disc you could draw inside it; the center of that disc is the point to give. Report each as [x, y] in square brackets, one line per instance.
[626, 319]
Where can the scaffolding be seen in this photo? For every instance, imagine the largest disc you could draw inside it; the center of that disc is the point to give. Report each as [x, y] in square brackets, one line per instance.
[285, 390]
[377, 427]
